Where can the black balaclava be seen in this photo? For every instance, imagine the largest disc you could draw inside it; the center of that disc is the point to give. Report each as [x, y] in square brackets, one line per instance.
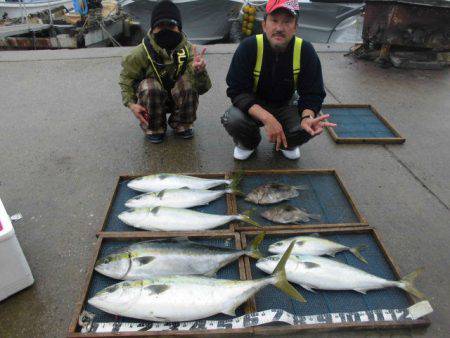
[167, 11]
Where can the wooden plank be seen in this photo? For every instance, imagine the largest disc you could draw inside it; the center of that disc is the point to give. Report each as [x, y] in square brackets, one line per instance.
[206, 333]
[72, 331]
[350, 199]
[126, 177]
[110, 205]
[398, 139]
[361, 220]
[84, 291]
[289, 329]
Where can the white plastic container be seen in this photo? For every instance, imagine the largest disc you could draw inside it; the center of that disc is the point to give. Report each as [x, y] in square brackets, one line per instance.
[15, 274]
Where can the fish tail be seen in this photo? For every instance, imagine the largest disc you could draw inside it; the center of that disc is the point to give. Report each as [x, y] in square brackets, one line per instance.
[281, 281]
[236, 179]
[301, 187]
[253, 250]
[245, 217]
[357, 252]
[407, 283]
[234, 191]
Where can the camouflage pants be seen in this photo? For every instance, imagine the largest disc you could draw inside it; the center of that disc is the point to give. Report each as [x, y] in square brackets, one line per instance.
[181, 103]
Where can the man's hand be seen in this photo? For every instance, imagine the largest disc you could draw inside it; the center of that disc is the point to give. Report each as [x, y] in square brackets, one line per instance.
[273, 128]
[275, 132]
[315, 126]
[140, 112]
[199, 60]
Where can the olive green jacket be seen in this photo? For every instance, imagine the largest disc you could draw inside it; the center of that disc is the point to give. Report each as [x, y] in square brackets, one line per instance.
[136, 67]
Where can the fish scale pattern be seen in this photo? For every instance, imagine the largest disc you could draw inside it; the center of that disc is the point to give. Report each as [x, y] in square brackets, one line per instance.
[113, 223]
[99, 282]
[324, 197]
[321, 301]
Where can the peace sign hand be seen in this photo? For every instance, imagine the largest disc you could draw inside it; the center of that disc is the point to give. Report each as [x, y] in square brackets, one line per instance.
[315, 126]
[199, 60]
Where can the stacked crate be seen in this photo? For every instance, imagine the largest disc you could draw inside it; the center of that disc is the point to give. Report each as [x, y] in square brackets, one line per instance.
[340, 221]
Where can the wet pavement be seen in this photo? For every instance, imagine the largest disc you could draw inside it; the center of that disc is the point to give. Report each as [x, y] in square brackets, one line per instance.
[65, 137]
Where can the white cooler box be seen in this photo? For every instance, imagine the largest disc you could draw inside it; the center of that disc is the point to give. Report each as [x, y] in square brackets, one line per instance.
[15, 274]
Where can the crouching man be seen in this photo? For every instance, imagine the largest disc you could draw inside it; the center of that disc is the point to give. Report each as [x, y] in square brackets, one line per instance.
[265, 72]
[164, 75]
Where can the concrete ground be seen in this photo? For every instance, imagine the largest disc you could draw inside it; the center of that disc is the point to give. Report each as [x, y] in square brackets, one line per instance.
[65, 137]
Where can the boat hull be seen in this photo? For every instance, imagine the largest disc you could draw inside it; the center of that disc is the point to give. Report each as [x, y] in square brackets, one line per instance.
[204, 21]
[18, 10]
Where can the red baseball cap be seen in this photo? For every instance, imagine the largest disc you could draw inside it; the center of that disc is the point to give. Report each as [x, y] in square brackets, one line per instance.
[290, 5]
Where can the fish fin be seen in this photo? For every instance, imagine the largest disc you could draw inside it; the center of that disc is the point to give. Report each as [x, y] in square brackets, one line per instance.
[163, 176]
[234, 191]
[407, 283]
[301, 187]
[281, 280]
[332, 254]
[246, 219]
[161, 194]
[357, 252]
[316, 234]
[315, 217]
[236, 179]
[287, 207]
[310, 265]
[253, 250]
[184, 188]
[230, 312]
[211, 274]
[154, 210]
[157, 289]
[361, 291]
[307, 288]
[143, 260]
[299, 243]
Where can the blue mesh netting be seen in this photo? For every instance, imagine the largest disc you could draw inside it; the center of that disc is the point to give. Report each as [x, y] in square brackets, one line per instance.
[321, 301]
[100, 281]
[113, 223]
[357, 123]
[324, 197]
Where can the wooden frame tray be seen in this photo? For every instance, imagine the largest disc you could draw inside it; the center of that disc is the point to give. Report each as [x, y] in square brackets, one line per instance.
[326, 195]
[116, 205]
[334, 297]
[74, 329]
[396, 138]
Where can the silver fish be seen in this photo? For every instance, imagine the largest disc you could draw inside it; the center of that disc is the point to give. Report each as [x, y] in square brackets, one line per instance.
[183, 298]
[177, 219]
[158, 182]
[171, 256]
[285, 214]
[314, 272]
[314, 246]
[273, 193]
[176, 198]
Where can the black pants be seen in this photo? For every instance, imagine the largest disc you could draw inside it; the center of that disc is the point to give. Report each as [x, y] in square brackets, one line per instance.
[245, 130]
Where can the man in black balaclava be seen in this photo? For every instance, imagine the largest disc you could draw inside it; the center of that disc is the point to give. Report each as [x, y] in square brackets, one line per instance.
[164, 73]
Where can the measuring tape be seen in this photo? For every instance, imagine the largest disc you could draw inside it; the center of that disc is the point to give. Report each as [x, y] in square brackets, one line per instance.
[414, 312]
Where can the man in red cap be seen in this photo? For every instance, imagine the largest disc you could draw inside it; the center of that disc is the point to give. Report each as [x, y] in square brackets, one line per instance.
[263, 77]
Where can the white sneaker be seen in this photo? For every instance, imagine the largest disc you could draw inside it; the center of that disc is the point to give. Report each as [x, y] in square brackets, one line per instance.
[293, 154]
[242, 153]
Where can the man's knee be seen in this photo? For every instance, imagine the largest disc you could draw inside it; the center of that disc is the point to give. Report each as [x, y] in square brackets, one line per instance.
[233, 118]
